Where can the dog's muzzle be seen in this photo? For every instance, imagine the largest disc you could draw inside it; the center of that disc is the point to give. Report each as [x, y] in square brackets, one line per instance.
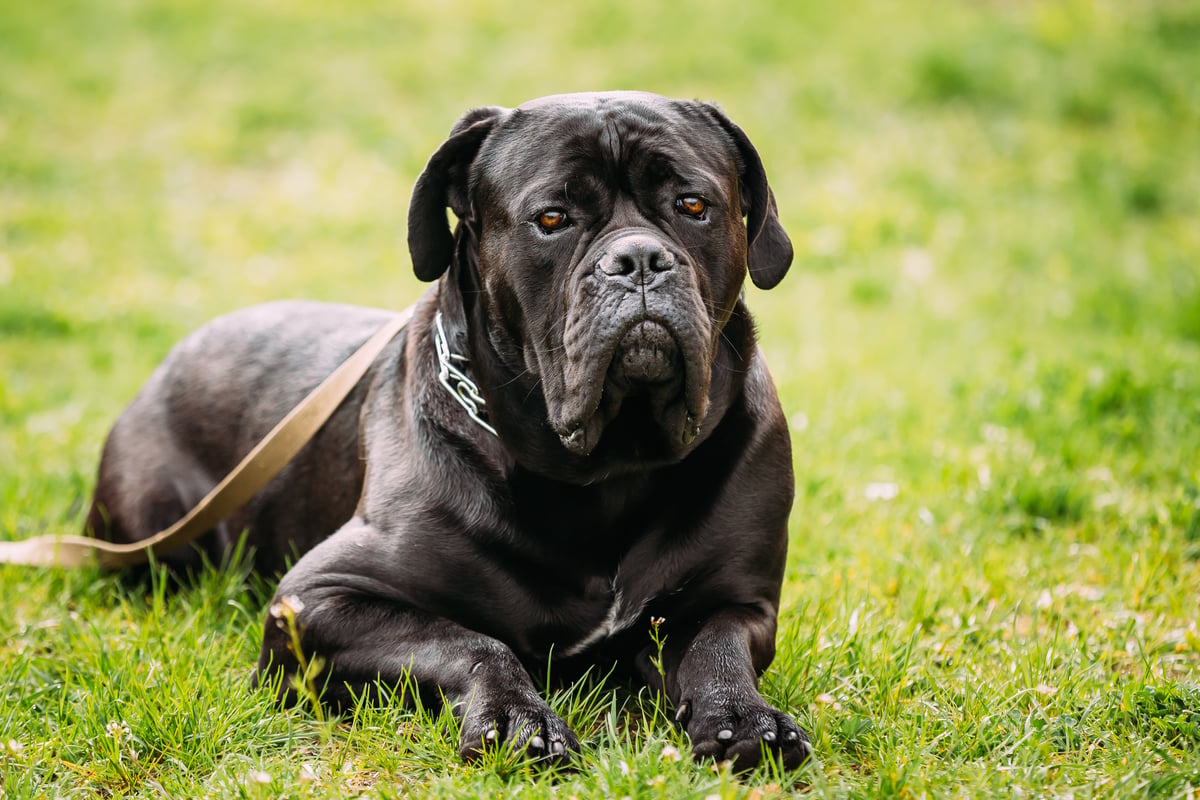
[647, 353]
[646, 340]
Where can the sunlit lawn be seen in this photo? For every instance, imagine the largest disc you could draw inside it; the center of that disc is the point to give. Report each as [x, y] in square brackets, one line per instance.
[989, 350]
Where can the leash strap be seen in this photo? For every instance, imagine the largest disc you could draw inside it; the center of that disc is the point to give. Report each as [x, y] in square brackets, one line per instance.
[247, 479]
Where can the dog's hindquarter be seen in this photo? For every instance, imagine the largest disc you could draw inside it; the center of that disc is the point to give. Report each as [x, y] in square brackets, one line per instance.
[212, 399]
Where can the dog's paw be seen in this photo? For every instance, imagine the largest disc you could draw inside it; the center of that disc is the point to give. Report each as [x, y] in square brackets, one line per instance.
[522, 725]
[743, 730]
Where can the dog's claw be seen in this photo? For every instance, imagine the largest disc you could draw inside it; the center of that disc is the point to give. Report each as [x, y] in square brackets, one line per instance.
[524, 725]
[746, 735]
[683, 713]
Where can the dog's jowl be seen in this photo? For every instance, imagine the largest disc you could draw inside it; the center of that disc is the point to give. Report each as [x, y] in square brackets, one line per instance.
[575, 435]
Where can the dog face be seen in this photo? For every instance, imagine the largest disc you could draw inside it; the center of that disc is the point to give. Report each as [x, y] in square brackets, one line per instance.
[605, 234]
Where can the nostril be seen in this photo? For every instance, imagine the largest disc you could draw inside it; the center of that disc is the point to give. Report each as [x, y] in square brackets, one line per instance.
[637, 259]
[627, 264]
[619, 264]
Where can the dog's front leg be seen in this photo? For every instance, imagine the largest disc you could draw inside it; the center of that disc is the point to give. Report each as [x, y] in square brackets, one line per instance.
[368, 638]
[713, 680]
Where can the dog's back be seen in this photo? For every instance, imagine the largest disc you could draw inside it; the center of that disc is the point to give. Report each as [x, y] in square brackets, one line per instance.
[215, 395]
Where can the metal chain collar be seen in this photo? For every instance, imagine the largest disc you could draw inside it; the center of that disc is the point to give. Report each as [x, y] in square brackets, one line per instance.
[458, 383]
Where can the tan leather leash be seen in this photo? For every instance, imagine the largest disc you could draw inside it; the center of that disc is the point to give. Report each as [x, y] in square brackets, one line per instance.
[247, 479]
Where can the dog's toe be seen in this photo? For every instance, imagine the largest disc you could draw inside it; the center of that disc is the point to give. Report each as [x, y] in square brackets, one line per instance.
[523, 726]
[746, 734]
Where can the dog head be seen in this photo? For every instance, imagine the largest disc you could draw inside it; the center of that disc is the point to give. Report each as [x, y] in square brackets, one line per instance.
[607, 237]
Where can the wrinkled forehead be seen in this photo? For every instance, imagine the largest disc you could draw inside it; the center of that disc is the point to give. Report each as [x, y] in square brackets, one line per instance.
[606, 136]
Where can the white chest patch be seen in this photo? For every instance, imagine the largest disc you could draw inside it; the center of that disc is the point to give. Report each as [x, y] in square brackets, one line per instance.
[614, 621]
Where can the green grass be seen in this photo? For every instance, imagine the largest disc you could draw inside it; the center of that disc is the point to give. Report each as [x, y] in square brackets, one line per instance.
[989, 348]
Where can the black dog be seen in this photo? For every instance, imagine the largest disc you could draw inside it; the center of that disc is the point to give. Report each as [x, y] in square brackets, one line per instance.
[575, 435]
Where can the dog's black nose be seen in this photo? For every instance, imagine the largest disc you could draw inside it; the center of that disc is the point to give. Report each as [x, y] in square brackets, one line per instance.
[636, 260]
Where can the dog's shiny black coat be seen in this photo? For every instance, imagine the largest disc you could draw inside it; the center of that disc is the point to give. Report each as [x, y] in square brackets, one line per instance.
[642, 468]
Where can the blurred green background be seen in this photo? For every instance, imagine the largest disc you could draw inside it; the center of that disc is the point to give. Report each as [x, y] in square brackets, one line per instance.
[988, 346]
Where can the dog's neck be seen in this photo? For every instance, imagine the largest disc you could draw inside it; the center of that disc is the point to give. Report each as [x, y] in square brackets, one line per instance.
[453, 376]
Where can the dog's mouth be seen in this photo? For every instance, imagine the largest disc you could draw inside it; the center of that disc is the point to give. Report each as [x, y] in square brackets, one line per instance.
[646, 355]
[649, 383]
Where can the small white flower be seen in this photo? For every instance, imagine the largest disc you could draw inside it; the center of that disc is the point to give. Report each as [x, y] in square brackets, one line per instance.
[984, 473]
[917, 264]
[827, 699]
[14, 747]
[288, 606]
[994, 434]
[260, 777]
[670, 752]
[307, 773]
[882, 490]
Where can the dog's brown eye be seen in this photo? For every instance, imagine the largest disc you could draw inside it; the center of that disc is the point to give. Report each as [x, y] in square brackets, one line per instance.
[691, 205]
[552, 220]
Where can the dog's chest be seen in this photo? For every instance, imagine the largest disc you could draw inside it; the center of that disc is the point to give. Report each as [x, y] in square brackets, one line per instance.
[592, 581]
[620, 613]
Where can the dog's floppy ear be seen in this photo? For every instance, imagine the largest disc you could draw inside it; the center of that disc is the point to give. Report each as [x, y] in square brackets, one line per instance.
[444, 183]
[770, 247]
